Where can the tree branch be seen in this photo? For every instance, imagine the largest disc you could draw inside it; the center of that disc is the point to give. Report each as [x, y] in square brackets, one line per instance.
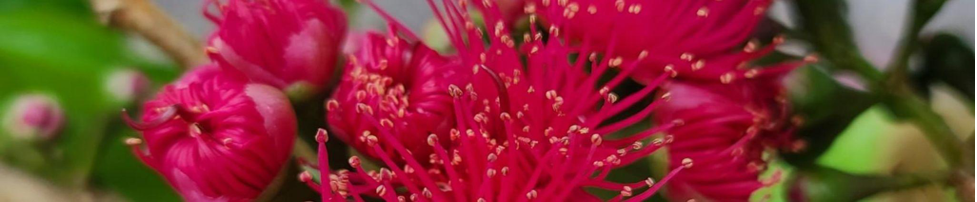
[147, 20]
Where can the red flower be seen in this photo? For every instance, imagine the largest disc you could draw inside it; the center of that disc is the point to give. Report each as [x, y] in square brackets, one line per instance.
[726, 130]
[688, 38]
[279, 42]
[400, 85]
[533, 130]
[215, 137]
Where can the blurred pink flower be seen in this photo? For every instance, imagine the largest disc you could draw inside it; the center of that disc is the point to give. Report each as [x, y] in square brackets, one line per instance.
[34, 116]
[215, 137]
[390, 82]
[698, 39]
[279, 42]
[726, 129]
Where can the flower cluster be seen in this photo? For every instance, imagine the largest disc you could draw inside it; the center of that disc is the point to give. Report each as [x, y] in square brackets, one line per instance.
[531, 115]
[504, 117]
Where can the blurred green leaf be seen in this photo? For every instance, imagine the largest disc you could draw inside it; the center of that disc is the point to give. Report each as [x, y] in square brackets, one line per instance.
[79, 8]
[948, 59]
[826, 107]
[824, 23]
[829, 184]
[314, 172]
[67, 57]
[120, 171]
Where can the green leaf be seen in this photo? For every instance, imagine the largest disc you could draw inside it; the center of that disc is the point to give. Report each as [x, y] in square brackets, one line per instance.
[119, 170]
[826, 107]
[78, 8]
[829, 184]
[67, 57]
[824, 23]
[947, 59]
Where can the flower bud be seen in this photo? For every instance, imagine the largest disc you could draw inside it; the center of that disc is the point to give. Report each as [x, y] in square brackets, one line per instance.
[33, 116]
[279, 42]
[216, 137]
[127, 84]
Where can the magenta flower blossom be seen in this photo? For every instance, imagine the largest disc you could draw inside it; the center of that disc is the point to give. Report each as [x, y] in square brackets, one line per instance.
[727, 128]
[533, 130]
[214, 137]
[279, 42]
[398, 83]
[33, 116]
[689, 38]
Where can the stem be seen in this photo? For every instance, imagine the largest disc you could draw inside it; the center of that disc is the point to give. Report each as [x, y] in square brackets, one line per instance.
[147, 20]
[922, 12]
[831, 36]
[907, 105]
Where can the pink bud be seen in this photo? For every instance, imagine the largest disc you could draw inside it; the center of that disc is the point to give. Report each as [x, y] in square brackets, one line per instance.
[398, 85]
[34, 116]
[216, 137]
[279, 42]
[127, 84]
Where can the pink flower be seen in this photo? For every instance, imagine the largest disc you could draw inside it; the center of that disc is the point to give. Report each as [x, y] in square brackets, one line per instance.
[215, 137]
[279, 42]
[34, 116]
[397, 83]
[533, 130]
[726, 130]
[690, 38]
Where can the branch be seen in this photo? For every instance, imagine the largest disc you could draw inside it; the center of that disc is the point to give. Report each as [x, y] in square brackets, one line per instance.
[922, 11]
[147, 20]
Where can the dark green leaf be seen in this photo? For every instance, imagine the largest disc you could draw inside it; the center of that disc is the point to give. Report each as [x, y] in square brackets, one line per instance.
[948, 59]
[824, 23]
[829, 184]
[826, 107]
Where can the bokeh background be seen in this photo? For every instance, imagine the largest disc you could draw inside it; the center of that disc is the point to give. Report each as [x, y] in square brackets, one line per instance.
[52, 48]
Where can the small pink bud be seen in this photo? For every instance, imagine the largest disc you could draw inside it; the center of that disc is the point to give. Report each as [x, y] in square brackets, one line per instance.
[216, 137]
[34, 116]
[279, 42]
[127, 84]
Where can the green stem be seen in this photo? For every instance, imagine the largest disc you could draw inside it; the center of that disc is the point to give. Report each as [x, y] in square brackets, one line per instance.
[912, 107]
[831, 36]
[922, 12]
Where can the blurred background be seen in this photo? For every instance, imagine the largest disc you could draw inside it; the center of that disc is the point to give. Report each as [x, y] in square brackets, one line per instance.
[73, 55]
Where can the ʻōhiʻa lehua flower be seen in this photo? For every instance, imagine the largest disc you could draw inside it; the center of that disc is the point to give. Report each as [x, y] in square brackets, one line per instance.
[214, 137]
